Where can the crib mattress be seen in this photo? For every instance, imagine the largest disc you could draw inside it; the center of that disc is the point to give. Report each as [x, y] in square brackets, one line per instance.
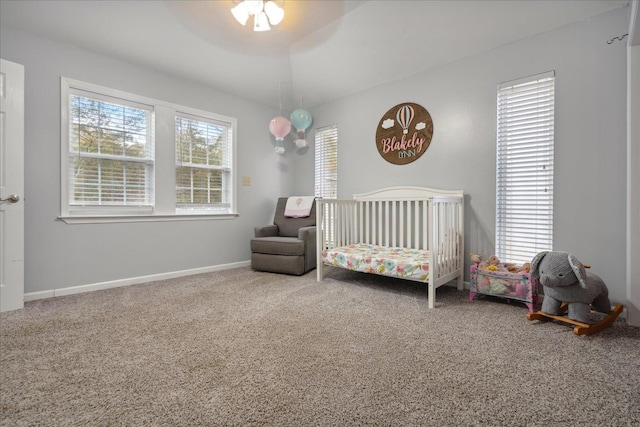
[412, 264]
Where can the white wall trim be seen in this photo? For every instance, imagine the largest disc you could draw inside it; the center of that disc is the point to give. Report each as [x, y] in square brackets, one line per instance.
[143, 218]
[31, 296]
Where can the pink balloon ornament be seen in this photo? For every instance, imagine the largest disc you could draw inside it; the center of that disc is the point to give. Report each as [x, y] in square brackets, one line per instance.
[280, 127]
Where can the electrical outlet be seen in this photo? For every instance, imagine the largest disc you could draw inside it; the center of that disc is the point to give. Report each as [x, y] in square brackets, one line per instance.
[246, 181]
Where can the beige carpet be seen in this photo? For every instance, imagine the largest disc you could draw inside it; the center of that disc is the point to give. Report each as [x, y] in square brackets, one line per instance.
[239, 347]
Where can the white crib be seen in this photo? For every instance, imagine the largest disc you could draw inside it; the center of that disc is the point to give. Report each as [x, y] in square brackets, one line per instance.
[414, 233]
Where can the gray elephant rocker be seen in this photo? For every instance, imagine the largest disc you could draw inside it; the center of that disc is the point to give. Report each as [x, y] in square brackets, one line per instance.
[569, 287]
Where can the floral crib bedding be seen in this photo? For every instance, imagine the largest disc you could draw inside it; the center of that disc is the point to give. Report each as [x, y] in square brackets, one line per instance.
[412, 264]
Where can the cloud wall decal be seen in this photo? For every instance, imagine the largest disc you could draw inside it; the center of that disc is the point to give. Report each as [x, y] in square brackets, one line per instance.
[389, 123]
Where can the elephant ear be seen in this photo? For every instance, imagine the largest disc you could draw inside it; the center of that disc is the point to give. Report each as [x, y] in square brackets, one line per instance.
[535, 263]
[579, 270]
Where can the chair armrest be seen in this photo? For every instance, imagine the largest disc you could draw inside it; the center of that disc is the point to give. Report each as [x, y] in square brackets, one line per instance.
[308, 235]
[266, 231]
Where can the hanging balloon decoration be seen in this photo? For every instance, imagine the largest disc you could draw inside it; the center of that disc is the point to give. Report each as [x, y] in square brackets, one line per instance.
[301, 120]
[404, 117]
[279, 127]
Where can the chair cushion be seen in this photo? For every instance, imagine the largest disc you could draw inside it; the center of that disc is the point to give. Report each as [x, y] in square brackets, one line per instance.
[277, 245]
[278, 263]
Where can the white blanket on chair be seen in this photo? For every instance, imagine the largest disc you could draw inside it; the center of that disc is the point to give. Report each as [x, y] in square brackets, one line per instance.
[298, 206]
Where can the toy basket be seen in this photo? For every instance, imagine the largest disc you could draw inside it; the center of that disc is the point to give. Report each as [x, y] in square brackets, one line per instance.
[502, 284]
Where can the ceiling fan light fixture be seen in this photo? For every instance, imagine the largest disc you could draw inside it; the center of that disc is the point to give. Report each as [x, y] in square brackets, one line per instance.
[254, 6]
[263, 13]
[260, 22]
[241, 13]
[274, 12]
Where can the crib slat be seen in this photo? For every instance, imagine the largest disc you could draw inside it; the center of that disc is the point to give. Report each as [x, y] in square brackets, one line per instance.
[394, 232]
[418, 222]
[401, 203]
[343, 224]
[336, 225]
[340, 228]
[386, 222]
[429, 230]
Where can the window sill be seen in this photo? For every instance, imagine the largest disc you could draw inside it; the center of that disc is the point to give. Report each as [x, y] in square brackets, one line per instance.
[143, 218]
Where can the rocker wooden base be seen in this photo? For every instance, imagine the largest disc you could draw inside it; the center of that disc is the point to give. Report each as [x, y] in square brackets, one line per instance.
[579, 327]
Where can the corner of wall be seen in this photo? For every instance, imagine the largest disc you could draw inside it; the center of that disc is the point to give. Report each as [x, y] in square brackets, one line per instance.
[633, 185]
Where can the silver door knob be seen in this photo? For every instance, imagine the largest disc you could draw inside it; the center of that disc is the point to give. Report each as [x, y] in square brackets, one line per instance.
[14, 198]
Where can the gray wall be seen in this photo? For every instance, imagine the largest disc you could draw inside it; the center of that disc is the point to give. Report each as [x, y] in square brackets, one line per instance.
[590, 192]
[590, 143]
[59, 255]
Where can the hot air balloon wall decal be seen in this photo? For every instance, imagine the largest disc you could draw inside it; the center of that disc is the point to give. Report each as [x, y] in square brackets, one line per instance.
[404, 117]
[404, 133]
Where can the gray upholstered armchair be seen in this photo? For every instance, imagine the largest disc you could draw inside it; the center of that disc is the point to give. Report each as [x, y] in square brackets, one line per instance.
[288, 246]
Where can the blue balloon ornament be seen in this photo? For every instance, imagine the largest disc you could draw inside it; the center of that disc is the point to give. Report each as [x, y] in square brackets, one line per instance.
[301, 119]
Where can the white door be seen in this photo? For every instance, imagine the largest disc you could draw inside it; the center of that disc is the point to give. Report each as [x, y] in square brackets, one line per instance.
[11, 185]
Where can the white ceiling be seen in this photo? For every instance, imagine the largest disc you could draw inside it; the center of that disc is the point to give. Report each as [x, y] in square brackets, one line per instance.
[323, 49]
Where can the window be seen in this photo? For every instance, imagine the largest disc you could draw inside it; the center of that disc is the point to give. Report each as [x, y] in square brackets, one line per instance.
[126, 156]
[524, 186]
[110, 153]
[203, 164]
[326, 162]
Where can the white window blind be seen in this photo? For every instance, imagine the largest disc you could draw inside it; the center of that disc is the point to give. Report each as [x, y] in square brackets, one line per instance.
[111, 159]
[203, 164]
[326, 162]
[525, 139]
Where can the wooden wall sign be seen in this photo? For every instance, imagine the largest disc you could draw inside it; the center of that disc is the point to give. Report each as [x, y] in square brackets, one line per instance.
[404, 133]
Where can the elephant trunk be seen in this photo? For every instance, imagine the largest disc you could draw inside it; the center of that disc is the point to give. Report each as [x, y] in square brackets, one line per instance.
[548, 281]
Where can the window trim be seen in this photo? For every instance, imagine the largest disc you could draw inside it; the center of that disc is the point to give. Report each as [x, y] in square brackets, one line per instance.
[164, 207]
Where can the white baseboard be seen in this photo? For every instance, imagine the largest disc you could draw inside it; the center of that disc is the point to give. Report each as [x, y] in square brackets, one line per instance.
[31, 296]
[454, 284]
